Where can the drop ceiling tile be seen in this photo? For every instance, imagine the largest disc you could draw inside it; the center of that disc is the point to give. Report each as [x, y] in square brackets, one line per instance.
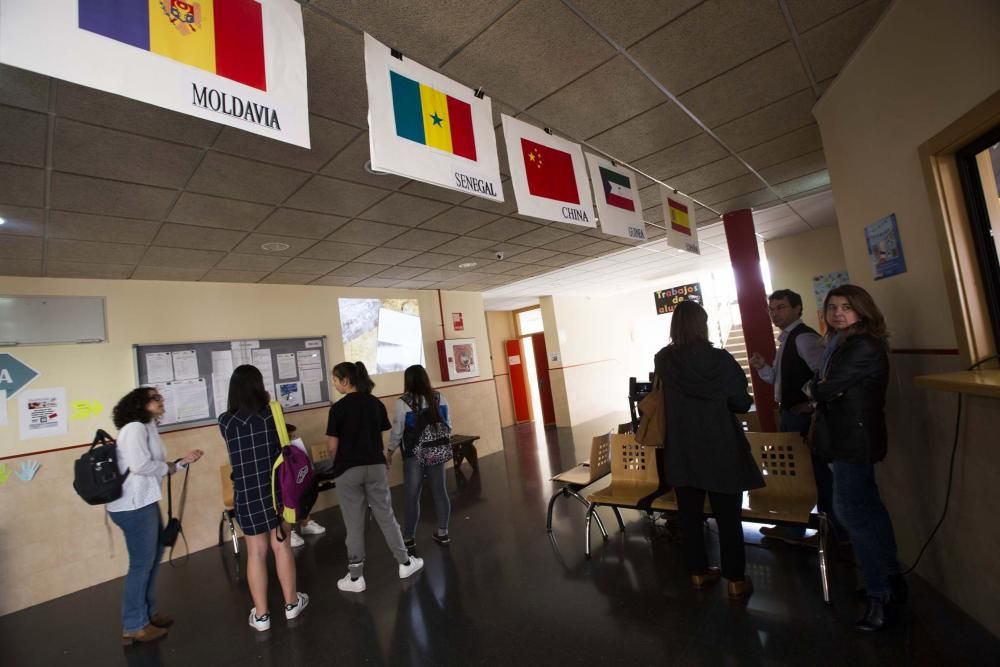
[599, 248]
[92, 251]
[534, 255]
[339, 252]
[828, 46]
[103, 197]
[804, 164]
[328, 195]
[197, 238]
[167, 273]
[474, 287]
[562, 259]
[85, 227]
[435, 192]
[96, 151]
[20, 247]
[401, 272]
[646, 133]
[413, 284]
[289, 278]
[509, 250]
[358, 270]
[252, 244]
[629, 20]
[315, 267]
[419, 239]
[349, 165]
[807, 14]
[291, 222]
[120, 113]
[527, 270]
[335, 60]
[326, 138]
[459, 220]
[64, 269]
[728, 190]
[232, 276]
[244, 262]
[181, 258]
[708, 175]
[22, 186]
[505, 228]
[679, 158]
[520, 59]
[506, 207]
[541, 236]
[21, 267]
[803, 184]
[757, 198]
[600, 99]
[376, 282]
[336, 281]
[21, 88]
[464, 245]
[388, 256]
[430, 260]
[480, 265]
[569, 243]
[402, 209]
[756, 83]
[784, 148]
[24, 136]
[442, 274]
[228, 176]
[709, 40]
[219, 212]
[366, 232]
[20, 221]
[780, 117]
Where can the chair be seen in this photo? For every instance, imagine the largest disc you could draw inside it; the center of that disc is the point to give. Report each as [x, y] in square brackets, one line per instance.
[627, 427]
[790, 494]
[749, 421]
[583, 475]
[228, 513]
[634, 476]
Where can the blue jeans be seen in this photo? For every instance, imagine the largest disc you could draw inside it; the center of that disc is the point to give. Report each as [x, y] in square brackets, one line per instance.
[142, 539]
[860, 508]
[413, 482]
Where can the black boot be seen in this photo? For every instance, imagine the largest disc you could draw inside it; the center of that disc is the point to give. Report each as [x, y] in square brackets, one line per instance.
[875, 617]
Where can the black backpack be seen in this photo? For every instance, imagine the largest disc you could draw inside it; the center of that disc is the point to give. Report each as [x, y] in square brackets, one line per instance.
[96, 478]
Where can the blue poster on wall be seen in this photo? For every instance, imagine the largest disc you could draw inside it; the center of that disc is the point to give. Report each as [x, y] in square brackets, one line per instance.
[885, 250]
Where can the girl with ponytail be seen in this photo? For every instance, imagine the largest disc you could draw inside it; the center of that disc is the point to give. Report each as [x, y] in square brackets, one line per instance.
[354, 438]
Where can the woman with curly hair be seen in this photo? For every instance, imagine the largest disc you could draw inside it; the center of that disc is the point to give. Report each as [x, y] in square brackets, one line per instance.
[142, 459]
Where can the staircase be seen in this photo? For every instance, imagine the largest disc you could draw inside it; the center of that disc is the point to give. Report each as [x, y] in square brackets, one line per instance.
[736, 345]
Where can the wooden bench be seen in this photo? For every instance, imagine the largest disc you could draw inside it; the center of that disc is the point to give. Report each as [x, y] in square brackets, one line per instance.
[463, 447]
[582, 475]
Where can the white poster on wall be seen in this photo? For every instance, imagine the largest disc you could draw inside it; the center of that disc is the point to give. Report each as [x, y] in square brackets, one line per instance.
[241, 63]
[3, 407]
[43, 413]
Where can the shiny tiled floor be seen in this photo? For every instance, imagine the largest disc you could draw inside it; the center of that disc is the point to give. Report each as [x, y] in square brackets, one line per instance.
[504, 593]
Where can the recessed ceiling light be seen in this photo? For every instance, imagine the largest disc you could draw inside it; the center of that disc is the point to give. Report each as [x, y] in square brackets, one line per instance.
[2, 221]
[274, 246]
[468, 265]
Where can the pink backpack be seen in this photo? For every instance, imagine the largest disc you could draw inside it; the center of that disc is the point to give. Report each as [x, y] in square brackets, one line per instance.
[292, 473]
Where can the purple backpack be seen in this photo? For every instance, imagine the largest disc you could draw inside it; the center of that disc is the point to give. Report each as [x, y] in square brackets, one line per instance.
[292, 473]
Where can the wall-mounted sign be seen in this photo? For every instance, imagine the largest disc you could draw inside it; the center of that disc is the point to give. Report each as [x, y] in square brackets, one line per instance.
[885, 249]
[457, 322]
[15, 375]
[668, 299]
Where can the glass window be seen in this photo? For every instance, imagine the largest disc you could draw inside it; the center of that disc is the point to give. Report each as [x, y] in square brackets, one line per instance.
[529, 321]
[979, 166]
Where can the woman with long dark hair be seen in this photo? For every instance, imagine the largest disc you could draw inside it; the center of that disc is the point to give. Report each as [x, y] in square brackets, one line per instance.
[849, 430]
[706, 452]
[354, 439]
[142, 459]
[251, 438]
[419, 406]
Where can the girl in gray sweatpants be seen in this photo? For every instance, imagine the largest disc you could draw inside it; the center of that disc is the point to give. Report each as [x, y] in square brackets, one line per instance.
[354, 438]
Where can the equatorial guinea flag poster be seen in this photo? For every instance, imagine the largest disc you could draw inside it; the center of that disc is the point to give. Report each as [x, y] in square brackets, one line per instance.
[678, 218]
[424, 126]
[548, 174]
[616, 193]
[241, 63]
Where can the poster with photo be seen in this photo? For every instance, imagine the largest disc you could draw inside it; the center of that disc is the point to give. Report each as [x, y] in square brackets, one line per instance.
[885, 249]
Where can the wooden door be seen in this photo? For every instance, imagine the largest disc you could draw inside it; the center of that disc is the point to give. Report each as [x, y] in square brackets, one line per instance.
[518, 380]
[544, 384]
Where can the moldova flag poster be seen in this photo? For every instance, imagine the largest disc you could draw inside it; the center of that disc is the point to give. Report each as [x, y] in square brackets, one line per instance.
[616, 193]
[548, 174]
[241, 63]
[678, 218]
[424, 126]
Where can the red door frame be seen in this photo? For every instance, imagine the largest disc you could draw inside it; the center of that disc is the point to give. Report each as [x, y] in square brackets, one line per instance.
[518, 380]
[544, 382]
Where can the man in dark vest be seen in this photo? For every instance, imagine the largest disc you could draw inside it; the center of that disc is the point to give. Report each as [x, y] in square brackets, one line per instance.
[799, 356]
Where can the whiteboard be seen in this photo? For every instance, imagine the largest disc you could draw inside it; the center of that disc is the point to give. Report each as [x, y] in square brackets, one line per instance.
[52, 320]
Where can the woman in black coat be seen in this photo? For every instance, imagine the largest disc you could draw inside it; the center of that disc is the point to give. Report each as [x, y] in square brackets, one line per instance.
[706, 451]
[849, 430]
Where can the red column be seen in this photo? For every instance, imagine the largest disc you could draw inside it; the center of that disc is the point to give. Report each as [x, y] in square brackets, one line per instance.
[752, 299]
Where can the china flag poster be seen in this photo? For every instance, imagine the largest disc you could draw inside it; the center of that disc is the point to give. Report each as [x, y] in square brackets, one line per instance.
[548, 173]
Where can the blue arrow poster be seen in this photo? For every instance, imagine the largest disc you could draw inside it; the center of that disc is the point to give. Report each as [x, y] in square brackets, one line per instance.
[15, 375]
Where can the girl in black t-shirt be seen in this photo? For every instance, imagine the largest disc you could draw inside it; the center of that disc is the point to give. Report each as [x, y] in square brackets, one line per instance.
[354, 438]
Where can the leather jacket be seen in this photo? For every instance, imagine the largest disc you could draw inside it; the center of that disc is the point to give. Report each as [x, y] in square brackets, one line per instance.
[849, 423]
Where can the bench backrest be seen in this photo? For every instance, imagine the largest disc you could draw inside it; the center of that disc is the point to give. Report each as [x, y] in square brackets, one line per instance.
[600, 456]
[786, 463]
[630, 461]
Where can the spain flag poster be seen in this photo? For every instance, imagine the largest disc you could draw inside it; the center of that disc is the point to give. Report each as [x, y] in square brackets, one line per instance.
[548, 174]
[424, 126]
[678, 218]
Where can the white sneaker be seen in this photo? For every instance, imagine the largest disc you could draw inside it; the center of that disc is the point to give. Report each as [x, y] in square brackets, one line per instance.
[351, 586]
[301, 602]
[416, 564]
[310, 527]
[297, 541]
[259, 624]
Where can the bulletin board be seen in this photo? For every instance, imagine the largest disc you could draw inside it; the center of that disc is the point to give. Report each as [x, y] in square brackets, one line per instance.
[194, 377]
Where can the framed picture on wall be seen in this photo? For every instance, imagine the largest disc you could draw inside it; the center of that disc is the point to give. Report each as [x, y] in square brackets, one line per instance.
[459, 359]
